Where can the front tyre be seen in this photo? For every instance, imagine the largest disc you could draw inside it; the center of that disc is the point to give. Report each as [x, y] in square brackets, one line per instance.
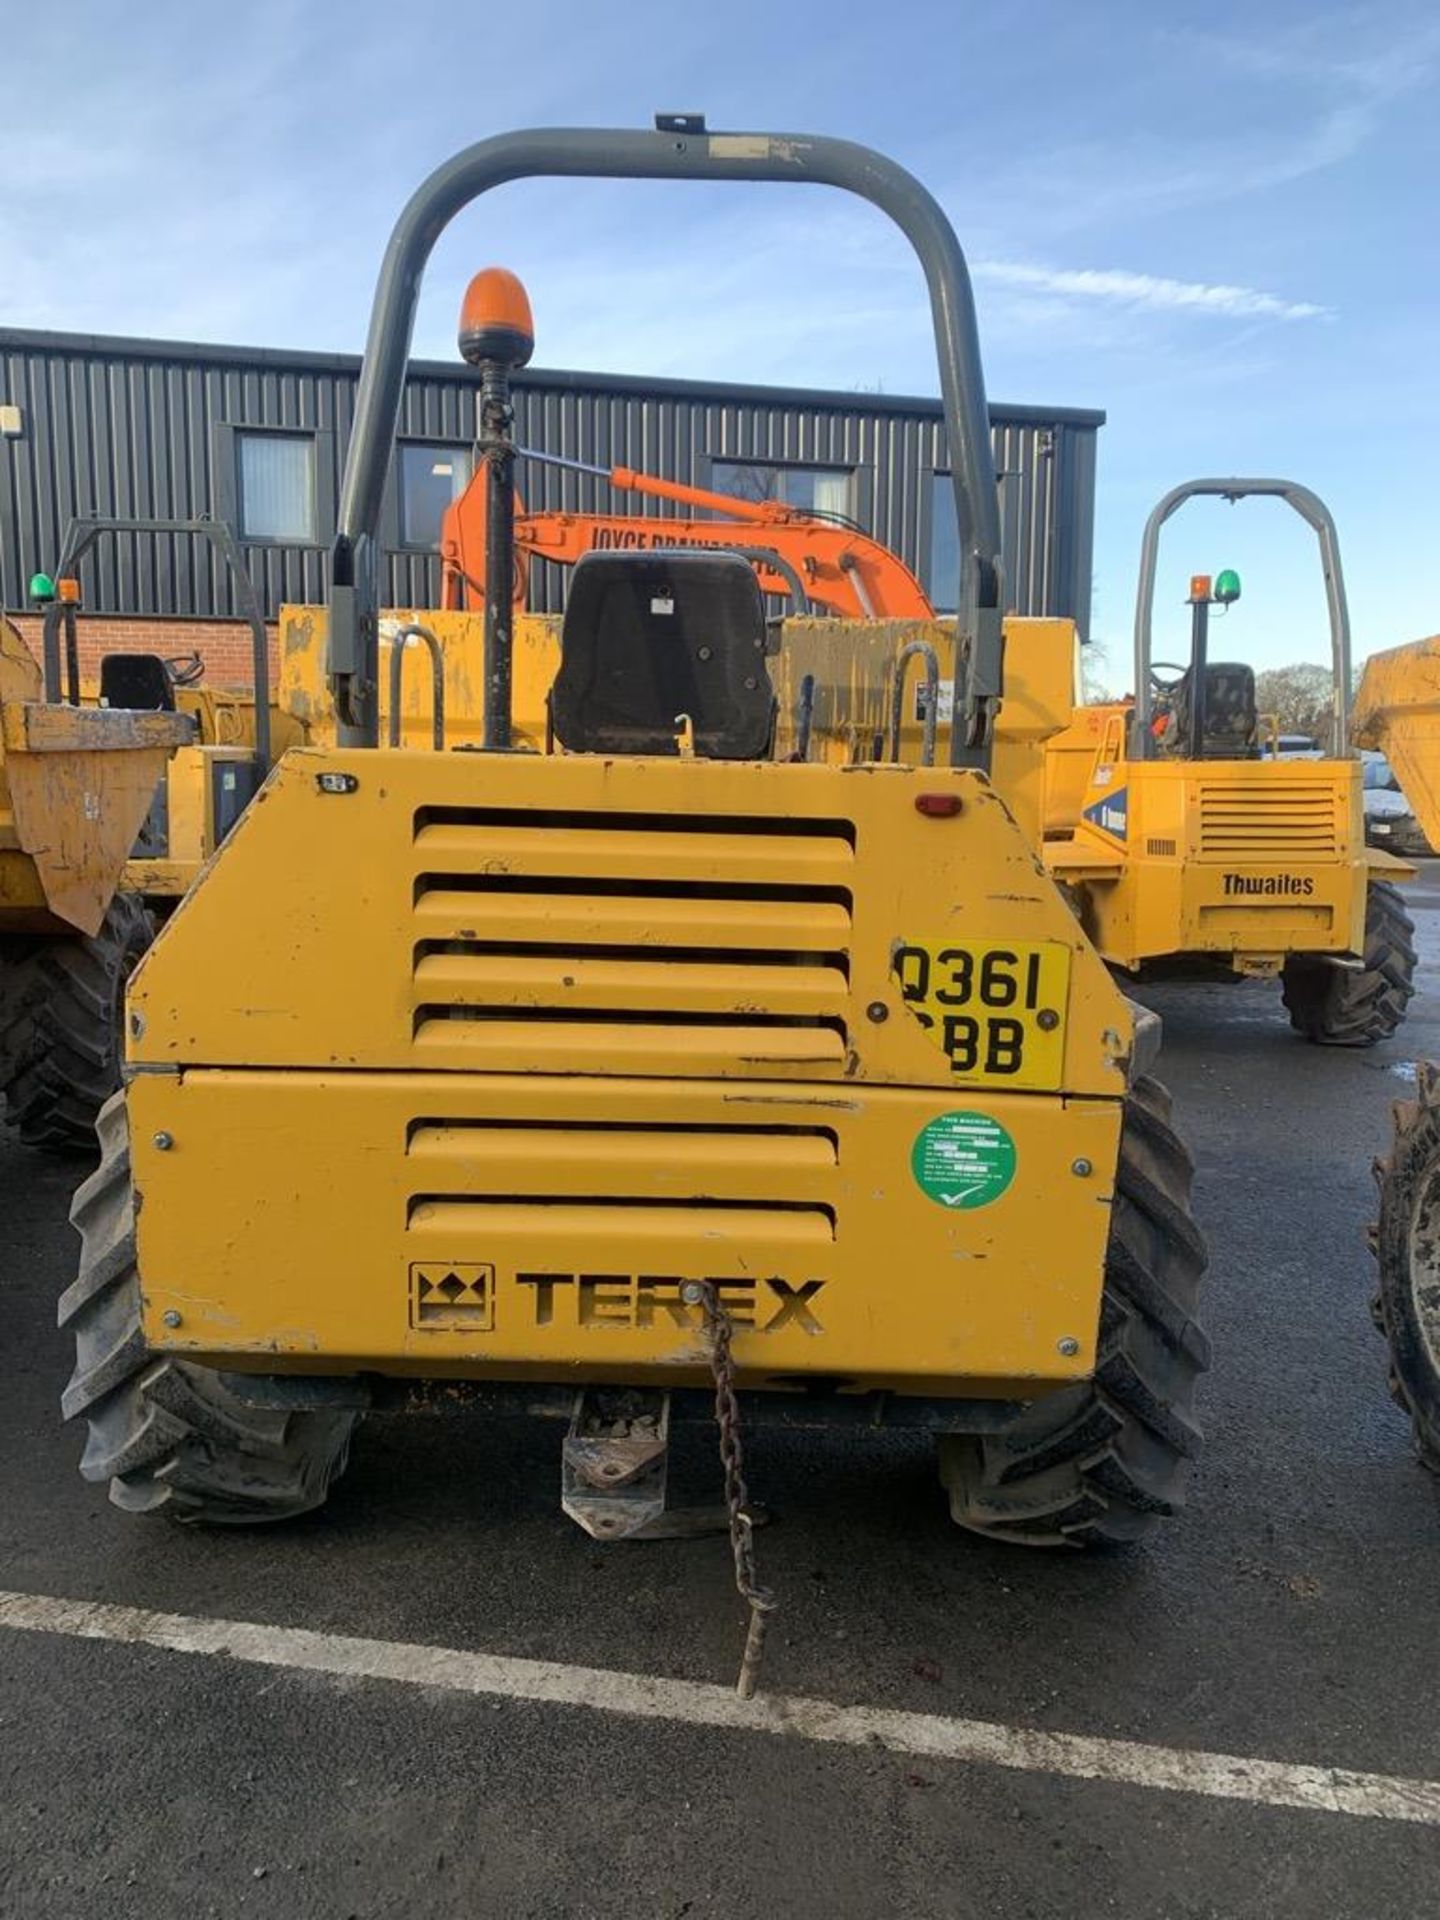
[1099, 1463]
[62, 1006]
[1337, 1007]
[1407, 1246]
[171, 1435]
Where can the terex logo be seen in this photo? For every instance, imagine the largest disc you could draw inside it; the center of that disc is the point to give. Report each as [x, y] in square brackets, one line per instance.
[1273, 885]
[642, 1299]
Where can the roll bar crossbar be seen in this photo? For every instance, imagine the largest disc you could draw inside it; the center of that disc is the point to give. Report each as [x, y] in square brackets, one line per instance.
[82, 533]
[669, 154]
[1314, 512]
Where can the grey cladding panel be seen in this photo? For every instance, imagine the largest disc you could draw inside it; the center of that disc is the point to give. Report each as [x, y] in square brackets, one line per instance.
[138, 427]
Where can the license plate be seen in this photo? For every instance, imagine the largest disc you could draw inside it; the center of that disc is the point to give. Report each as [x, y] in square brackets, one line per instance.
[997, 1013]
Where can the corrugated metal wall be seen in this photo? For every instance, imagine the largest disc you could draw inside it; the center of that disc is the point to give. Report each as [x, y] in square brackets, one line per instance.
[145, 429]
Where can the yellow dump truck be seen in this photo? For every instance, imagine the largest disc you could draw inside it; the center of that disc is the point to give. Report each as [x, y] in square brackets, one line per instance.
[1397, 711]
[1189, 846]
[75, 785]
[165, 768]
[619, 1043]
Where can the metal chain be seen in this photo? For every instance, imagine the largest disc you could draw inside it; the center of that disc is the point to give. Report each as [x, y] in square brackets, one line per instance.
[761, 1602]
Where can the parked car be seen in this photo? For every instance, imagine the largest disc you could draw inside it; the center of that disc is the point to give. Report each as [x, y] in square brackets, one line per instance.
[1389, 821]
[1290, 746]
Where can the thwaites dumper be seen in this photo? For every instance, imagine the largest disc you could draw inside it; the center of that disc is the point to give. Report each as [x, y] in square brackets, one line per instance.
[1185, 845]
[554, 1070]
[75, 784]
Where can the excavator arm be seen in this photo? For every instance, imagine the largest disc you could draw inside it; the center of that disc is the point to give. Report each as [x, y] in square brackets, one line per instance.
[837, 568]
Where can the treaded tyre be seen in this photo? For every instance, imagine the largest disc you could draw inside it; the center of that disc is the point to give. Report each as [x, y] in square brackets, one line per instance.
[170, 1434]
[1099, 1463]
[62, 1007]
[1406, 1243]
[1337, 1008]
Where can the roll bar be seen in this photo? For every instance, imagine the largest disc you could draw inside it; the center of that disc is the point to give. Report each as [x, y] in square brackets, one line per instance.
[82, 533]
[1313, 510]
[669, 154]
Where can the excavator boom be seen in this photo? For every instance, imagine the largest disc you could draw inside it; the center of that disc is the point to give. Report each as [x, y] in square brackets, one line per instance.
[834, 566]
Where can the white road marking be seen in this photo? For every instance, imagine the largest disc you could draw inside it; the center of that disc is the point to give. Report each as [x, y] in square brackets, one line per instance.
[927, 1736]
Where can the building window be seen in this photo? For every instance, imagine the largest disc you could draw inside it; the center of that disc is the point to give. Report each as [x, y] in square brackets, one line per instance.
[277, 487]
[431, 476]
[943, 584]
[813, 489]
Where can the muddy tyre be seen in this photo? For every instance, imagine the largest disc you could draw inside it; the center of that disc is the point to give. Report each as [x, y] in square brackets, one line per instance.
[1098, 1464]
[62, 1008]
[1407, 1245]
[1337, 1008]
[168, 1434]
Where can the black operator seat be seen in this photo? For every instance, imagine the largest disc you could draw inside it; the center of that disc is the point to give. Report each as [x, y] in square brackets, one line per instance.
[647, 638]
[138, 681]
[1232, 719]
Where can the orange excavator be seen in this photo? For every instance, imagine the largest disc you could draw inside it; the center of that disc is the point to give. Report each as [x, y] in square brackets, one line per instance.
[822, 564]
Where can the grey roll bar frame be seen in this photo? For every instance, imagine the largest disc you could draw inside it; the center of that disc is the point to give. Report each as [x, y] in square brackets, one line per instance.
[923, 651]
[763, 557]
[1314, 512]
[80, 536]
[603, 153]
[399, 646]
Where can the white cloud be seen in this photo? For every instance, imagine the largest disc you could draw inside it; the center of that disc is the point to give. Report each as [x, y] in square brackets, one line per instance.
[1148, 290]
[1280, 106]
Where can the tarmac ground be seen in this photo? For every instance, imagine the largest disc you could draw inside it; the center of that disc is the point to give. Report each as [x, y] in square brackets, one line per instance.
[1287, 1619]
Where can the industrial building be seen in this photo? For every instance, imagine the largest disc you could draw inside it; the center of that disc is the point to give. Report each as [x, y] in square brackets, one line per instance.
[256, 437]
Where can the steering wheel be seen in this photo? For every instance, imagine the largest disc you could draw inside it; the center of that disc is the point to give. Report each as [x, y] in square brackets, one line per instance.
[1157, 667]
[185, 669]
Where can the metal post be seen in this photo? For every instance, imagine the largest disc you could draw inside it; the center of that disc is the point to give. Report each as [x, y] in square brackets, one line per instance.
[805, 717]
[50, 649]
[497, 449]
[1199, 653]
[72, 656]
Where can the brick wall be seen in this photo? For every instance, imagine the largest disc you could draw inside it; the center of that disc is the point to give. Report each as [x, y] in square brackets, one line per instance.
[225, 645]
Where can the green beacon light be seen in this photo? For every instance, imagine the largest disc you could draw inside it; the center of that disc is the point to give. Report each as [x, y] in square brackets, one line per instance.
[1227, 587]
[42, 588]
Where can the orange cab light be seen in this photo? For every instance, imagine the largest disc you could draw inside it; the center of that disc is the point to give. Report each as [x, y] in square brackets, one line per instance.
[68, 591]
[1199, 586]
[495, 319]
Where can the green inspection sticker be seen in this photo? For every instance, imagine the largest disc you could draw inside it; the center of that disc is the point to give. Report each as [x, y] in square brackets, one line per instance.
[963, 1160]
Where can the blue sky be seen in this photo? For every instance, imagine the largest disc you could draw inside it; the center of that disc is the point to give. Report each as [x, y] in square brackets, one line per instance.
[1216, 221]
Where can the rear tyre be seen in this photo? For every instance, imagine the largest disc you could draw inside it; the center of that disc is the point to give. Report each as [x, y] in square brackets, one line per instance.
[168, 1434]
[1337, 1008]
[62, 1010]
[1099, 1463]
[1407, 1245]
